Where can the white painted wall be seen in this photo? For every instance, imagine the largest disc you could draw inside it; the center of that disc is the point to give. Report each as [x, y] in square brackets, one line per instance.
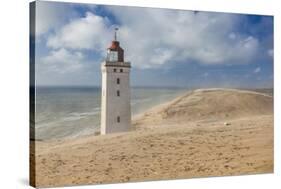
[112, 105]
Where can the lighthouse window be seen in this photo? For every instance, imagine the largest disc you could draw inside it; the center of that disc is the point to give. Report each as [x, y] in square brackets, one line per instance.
[118, 93]
[118, 80]
[114, 69]
[118, 119]
[121, 70]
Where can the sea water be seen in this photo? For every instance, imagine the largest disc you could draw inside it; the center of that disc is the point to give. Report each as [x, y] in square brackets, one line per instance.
[74, 111]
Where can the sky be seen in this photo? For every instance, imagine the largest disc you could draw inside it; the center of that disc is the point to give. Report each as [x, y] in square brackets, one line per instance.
[166, 47]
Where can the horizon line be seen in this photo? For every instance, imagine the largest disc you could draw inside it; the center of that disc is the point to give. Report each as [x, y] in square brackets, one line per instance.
[159, 86]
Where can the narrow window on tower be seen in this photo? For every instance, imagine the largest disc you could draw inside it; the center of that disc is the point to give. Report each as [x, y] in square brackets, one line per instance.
[118, 119]
[118, 93]
[121, 70]
[114, 69]
[118, 80]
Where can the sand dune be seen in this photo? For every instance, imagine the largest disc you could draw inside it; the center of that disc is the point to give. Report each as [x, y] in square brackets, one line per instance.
[184, 138]
[209, 105]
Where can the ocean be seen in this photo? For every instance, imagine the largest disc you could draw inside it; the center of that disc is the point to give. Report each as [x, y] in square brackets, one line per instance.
[63, 112]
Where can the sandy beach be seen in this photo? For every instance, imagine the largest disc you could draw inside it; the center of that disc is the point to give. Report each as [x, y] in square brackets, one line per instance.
[207, 132]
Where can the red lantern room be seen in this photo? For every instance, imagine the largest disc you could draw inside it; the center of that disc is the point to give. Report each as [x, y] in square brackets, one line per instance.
[115, 53]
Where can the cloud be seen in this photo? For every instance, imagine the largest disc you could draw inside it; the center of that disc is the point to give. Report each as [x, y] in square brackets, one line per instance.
[206, 38]
[257, 70]
[206, 74]
[270, 52]
[50, 16]
[62, 61]
[91, 32]
[155, 38]
[232, 36]
[165, 47]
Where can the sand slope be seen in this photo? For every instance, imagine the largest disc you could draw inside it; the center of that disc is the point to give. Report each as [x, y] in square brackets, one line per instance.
[183, 138]
[209, 105]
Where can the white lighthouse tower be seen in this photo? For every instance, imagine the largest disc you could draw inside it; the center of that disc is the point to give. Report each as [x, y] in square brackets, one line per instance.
[115, 103]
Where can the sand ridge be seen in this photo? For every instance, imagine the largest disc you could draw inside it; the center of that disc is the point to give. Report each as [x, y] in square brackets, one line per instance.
[209, 105]
[184, 138]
